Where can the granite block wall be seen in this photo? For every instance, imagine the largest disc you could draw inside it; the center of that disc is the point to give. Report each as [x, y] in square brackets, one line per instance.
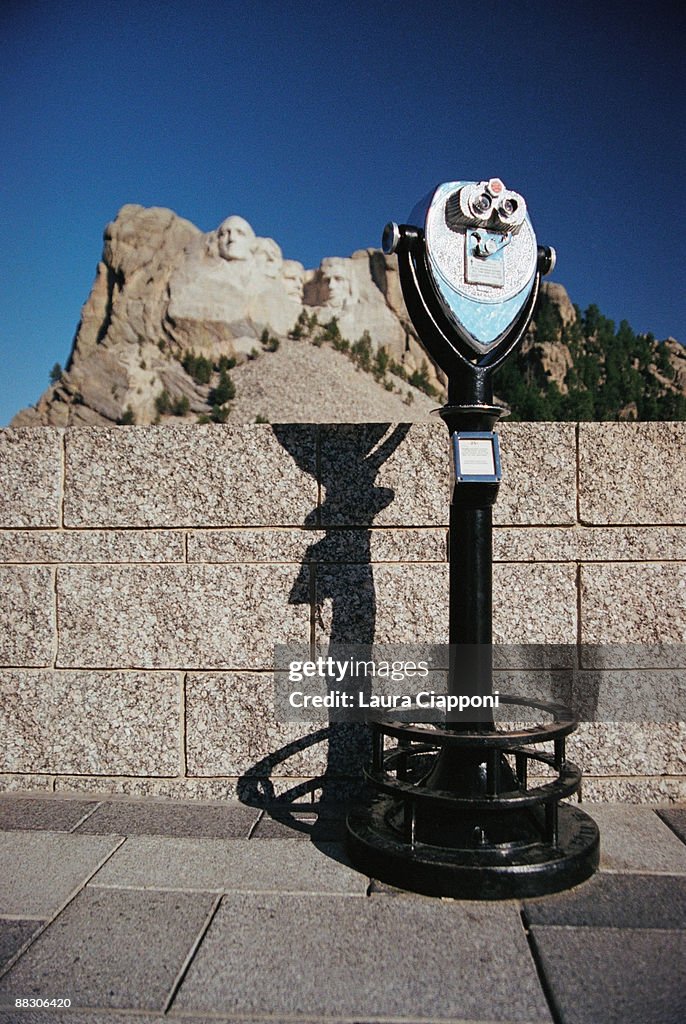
[146, 574]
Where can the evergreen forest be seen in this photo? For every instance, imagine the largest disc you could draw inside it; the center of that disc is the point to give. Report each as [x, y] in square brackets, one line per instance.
[615, 374]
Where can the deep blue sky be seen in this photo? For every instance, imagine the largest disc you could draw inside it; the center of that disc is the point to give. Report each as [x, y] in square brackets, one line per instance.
[320, 122]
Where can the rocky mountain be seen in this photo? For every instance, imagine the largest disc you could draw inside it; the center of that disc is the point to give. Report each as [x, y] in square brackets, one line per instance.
[217, 326]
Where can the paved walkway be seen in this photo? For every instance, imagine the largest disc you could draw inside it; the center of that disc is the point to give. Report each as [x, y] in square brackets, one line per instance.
[144, 911]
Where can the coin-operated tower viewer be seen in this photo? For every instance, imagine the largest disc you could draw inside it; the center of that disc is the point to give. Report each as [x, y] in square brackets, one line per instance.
[455, 811]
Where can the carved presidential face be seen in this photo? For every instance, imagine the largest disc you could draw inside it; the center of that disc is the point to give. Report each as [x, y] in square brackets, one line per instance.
[294, 278]
[268, 257]
[337, 278]
[235, 239]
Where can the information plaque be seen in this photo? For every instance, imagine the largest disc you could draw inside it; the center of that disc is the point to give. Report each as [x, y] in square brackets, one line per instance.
[477, 457]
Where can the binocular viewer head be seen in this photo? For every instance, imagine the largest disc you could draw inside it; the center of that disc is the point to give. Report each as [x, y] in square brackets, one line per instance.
[485, 204]
[481, 256]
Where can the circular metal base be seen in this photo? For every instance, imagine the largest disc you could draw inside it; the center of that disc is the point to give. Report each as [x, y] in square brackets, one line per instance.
[521, 867]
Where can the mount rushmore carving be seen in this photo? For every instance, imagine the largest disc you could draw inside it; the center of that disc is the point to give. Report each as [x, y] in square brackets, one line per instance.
[164, 288]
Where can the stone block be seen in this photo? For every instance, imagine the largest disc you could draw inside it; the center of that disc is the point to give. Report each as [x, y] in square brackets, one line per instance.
[42, 814]
[256, 791]
[642, 789]
[112, 949]
[406, 604]
[402, 604]
[340, 545]
[195, 616]
[30, 477]
[633, 603]
[534, 604]
[539, 474]
[232, 729]
[40, 871]
[382, 958]
[284, 865]
[629, 748]
[632, 473]
[385, 474]
[90, 722]
[171, 818]
[12, 783]
[27, 616]
[613, 975]
[614, 901]
[189, 475]
[633, 839]
[589, 544]
[92, 546]
[636, 696]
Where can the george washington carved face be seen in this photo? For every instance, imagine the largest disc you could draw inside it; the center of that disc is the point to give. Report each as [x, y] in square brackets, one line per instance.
[235, 239]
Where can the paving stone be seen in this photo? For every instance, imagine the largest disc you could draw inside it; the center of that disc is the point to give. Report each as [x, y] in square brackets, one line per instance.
[30, 477]
[90, 722]
[92, 546]
[111, 949]
[169, 616]
[300, 825]
[27, 616]
[87, 1017]
[39, 871]
[171, 818]
[634, 839]
[126, 1017]
[13, 935]
[285, 865]
[615, 901]
[632, 472]
[26, 812]
[187, 475]
[633, 603]
[614, 975]
[377, 958]
[675, 817]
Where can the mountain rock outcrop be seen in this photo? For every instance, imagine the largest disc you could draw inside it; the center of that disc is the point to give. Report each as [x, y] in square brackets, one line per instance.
[164, 289]
[173, 309]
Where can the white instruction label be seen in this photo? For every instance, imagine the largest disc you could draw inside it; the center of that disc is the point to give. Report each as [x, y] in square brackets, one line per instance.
[476, 456]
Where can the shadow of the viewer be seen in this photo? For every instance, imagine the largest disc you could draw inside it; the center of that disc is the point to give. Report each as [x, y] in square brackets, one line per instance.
[336, 568]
